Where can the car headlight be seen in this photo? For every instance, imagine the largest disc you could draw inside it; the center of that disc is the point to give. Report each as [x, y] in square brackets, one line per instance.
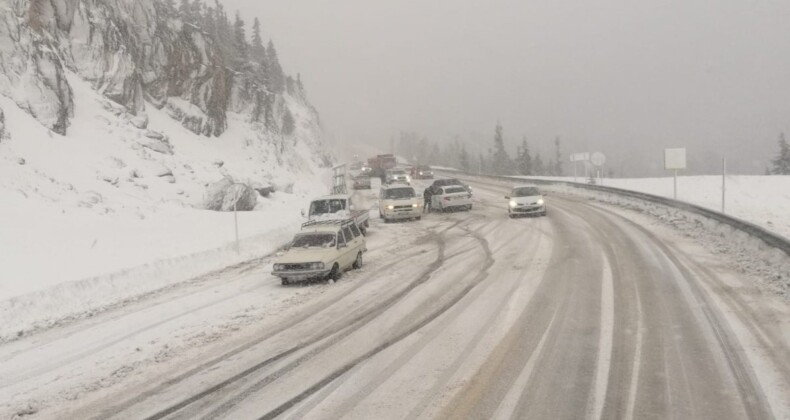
[513, 203]
[390, 207]
[415, 205]
[278, 267]
[540, 201]
[317, 266]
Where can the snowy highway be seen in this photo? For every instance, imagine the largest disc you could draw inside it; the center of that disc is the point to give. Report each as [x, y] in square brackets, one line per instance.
[590, 312]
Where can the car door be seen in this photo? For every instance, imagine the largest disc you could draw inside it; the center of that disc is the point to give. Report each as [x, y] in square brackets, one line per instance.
[350, 253]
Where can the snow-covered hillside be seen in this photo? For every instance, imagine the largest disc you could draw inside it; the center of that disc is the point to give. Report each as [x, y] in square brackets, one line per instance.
[115, 120]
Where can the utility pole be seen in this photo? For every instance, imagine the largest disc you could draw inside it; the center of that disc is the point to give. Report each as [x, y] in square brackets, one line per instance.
[723, 182]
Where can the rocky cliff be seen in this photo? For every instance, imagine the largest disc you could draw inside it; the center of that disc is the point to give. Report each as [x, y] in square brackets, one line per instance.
[137, 53]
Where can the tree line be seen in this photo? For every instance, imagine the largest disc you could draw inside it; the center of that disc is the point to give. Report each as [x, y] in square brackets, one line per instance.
[496, 160]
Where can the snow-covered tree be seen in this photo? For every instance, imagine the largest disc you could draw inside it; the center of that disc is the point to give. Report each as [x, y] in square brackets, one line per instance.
[524, 159]
[501, 161]
[537, 165]
[781, 163]
[240, 47]
[463, 158]
[289, 125]
[276, 75]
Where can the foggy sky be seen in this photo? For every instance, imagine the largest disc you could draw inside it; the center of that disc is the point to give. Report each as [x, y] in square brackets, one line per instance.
[623, 77]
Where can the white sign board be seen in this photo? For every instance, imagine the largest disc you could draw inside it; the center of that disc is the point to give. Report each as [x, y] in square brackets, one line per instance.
[675, 158]
[580, 157]
[598, 159]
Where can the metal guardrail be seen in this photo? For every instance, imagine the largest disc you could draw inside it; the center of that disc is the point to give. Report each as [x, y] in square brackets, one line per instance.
[769, 238]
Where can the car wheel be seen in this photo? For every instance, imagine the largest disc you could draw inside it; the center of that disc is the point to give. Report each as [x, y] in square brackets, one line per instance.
[418, 218]
[286, 282]
[358, 262]
[335, 274]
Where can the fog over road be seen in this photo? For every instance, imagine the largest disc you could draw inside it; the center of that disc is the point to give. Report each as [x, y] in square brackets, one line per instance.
[580, 314]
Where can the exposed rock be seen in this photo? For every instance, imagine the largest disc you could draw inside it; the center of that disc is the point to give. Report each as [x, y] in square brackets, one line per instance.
[158, 146]
[218, 163]
[3, 133]
[170, 178]
[154, 135]
[20, 161]
[163, 170]
[140, 121]
[222, 195]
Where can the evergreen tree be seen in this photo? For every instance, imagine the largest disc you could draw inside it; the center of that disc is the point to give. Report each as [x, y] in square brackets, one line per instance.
[781, 163]
[239, 42]
[276, 75]
[524, 159]
[537, 165]
[289, 125]
[557, 166]
[434, 155]
[463, 159]
[501, 160]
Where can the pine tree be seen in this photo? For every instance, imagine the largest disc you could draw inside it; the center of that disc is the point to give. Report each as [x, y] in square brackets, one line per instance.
[781, 163]
[239, 42]
[537, 165]
[524, 160]
[276, 74]
[501, 161]
[289, 125]
[463, 159]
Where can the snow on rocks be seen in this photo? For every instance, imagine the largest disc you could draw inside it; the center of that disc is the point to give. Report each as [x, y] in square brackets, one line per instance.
[227, 195]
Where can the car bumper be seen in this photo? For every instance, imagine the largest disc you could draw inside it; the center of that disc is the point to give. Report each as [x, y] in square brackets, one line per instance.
[402, 214]
[301, 275]
[528, 210]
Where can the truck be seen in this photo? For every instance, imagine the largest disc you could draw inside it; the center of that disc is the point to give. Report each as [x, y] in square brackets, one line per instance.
[380, 164]
[337, 207]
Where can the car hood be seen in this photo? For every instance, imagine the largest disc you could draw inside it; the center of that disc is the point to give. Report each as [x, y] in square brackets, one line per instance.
[305, 255]
[533, 199]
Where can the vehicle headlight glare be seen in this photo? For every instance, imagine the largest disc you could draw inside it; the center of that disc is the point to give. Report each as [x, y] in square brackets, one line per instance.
[540, 201]
[415, 205]
[390, 207]
[317, 265]
[513, 203]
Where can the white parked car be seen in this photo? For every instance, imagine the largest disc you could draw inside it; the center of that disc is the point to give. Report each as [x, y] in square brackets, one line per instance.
[337, 207]
[397, 176]
[398, 202]
[451, 197]
[525, 200]
[322, 250]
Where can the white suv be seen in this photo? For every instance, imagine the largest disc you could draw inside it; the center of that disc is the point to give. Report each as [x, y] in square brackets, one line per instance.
[397, 176]
[525, 200]
[322, 250]
[398, 202]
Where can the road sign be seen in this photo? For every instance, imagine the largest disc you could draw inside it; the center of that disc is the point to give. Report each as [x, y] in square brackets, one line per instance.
[598, 159]
[675, 158]
[580, 157]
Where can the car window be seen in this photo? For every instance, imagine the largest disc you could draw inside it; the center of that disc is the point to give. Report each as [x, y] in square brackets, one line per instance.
[452, 190]
[399, 193]
[347, 232]
[355, 230]
[314, 240]
[340, 240]
[525, 192]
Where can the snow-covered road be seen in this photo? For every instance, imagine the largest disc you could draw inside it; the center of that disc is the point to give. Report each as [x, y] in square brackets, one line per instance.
[591, 312]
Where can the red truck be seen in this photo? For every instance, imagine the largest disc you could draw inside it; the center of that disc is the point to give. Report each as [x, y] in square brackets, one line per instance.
[380, 164]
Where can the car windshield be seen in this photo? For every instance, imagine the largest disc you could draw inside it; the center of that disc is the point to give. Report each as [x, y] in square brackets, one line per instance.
[443, 182]
[327, 206]
[399, 193]
[398, 173]
[452, 190]
[314, 240]
[362, 178]
[525, 192]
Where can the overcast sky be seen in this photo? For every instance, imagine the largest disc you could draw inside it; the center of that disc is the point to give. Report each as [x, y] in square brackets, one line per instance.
[624, 77]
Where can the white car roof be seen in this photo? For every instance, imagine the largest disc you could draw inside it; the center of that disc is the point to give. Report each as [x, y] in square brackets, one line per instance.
[328, 228]
[389, 186]
[524, 186]
[333, 197]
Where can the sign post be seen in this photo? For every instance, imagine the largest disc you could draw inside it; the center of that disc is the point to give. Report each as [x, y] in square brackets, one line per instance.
[675, 159]
[578, 157]
[598, 159]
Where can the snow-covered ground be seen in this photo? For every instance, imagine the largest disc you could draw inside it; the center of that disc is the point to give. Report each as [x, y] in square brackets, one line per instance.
[98, 216]
[762, 200]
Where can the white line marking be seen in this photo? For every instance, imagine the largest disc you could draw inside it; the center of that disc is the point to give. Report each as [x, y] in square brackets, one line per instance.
[637, 360]
[605, 340]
